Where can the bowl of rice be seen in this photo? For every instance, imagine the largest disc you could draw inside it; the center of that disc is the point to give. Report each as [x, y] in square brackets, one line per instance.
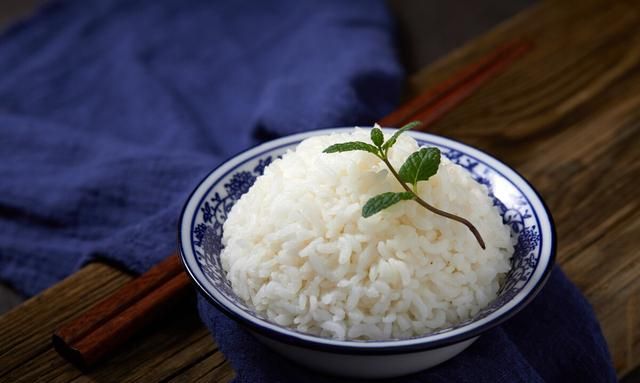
[274, 238]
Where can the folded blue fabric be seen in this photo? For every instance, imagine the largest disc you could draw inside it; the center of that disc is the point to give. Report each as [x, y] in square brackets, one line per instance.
[556, 338]
[111, 112]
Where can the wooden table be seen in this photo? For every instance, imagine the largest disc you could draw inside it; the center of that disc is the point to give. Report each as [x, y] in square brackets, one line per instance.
[567, 116]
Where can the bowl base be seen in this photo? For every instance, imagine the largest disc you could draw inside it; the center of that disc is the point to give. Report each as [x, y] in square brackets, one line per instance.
[366, 366]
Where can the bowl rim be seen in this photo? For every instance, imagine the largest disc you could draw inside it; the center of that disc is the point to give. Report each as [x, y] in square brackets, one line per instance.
[377, 347]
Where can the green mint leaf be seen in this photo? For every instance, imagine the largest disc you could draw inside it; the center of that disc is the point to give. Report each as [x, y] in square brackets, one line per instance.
[350, 146]
[383, 201]
[391, 141]
[420, 165]
[377, 137]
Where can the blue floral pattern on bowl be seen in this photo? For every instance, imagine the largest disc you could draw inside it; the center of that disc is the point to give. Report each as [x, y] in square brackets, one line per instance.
[515, 208]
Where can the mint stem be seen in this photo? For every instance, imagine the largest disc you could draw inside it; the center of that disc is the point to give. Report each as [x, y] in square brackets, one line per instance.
[433, 209]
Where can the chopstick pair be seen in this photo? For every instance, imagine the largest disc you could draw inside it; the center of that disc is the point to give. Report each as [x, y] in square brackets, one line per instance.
[99, 331]
[110, 323]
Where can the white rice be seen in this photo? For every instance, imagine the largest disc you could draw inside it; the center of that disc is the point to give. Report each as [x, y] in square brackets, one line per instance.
[299, 252]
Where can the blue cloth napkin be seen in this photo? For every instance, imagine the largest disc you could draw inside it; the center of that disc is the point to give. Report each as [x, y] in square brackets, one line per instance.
[112, 111]
[556, 338]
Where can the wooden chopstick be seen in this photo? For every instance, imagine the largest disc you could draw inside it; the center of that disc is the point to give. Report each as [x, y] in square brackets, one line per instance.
[103, 328]
[434, 103]
[111, 322]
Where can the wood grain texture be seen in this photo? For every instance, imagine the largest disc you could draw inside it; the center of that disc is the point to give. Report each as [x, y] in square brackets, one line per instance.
[119, 301]
[106, 326]
[432, 104]
[25, 332]
[567, 116]
[178, 345]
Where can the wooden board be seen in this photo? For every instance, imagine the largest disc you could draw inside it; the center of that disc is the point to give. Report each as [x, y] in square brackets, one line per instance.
[567, 117]
[178, 349]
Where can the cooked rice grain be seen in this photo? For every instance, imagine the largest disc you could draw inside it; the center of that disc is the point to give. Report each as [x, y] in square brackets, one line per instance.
[299, 252]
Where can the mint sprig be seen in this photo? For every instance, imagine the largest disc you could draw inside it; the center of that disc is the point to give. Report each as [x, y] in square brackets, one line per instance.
[387, 145]
[383, 201]
[419, 166]
[351, 146]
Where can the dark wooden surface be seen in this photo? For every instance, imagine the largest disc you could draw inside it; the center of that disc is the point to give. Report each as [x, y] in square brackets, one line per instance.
[16, 10]
[567, 116]
[428, 29]
[178, 349]
[102, 330]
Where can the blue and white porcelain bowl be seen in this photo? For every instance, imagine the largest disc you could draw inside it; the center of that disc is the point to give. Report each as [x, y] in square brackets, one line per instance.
[200, 241]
